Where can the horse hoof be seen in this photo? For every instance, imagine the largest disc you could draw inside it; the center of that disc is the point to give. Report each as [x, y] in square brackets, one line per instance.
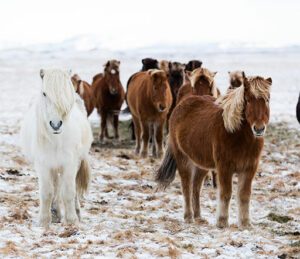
[201, 221]
[222, 223]
[245, 225]
[144, 154]
[44, 222]
[72, 221]
[188, 219]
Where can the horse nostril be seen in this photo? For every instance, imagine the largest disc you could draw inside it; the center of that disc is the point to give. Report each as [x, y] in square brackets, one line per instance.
[161, 107]
[55, 126]
[259, 129]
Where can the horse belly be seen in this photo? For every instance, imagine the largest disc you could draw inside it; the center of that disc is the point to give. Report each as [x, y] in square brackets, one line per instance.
[199, 150]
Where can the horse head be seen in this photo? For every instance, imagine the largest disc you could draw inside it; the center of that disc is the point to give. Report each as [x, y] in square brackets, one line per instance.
[57, 98]
[202, 80]
[160, 86]
[236, 79]
[256, 98]
[112, 76]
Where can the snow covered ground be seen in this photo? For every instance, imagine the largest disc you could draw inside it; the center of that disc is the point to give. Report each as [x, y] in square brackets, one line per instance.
[123, 214]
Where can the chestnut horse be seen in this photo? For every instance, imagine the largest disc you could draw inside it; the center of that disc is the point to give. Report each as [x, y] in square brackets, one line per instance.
[227, 136]
[109, 96]
[148, 63]
[85, 91]
[149, 99]
[201, 82]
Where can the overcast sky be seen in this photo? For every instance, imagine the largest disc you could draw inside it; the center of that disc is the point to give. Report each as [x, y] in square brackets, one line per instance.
[137, 23]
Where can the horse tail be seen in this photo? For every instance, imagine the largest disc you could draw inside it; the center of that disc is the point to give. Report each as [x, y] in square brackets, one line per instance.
[167, 171]
[83, 177]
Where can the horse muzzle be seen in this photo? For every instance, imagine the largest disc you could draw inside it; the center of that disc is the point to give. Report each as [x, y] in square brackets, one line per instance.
[56, 126]
[259, 131]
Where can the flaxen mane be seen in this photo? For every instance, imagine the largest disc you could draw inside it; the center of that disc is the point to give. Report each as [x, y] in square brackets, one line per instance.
[209, 77]
[58, 87]
[232, 102]
[260, 87]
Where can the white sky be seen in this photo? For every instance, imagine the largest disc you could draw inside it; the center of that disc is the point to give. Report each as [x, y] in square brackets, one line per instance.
[141, 23]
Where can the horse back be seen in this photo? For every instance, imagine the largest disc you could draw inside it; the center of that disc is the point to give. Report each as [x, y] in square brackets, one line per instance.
[138, 93]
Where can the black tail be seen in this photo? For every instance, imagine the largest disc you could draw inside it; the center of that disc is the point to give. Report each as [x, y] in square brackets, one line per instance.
[167, 171]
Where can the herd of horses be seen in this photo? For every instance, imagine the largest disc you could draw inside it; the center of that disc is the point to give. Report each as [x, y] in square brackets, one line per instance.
[206, 131]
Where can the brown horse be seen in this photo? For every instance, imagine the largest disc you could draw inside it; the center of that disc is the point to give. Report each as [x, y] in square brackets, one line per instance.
[147, 63]
[149, 98]
[85, 91]
[109, 96]
[235, 79]
[201, 82]
[227, 136]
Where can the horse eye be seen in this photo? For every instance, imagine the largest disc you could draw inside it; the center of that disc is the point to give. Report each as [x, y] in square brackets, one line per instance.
[44, 94]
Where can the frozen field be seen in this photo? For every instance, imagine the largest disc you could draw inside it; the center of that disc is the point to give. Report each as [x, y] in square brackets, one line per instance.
[123, 215]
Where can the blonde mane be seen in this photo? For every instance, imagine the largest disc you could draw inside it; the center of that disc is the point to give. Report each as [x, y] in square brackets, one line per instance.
[58, 87]
[208, 75]
[233, 102]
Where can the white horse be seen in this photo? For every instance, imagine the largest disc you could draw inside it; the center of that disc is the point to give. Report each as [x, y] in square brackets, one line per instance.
[56, 137]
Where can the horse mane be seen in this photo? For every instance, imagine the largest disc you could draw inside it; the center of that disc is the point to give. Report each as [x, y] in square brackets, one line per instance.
[59, 89]
[233, 101]
[260, 87]
[201, 71]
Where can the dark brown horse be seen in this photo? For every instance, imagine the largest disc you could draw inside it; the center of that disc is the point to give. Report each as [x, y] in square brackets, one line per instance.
[149, 99]
[227, 136]
[109, 96]
[192, 65]
[149, 63]
[85, 90]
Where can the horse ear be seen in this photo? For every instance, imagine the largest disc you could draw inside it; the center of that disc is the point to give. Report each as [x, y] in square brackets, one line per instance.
[244, 75]
[143, 61]
[269, 79]
[81, 88]
[214, 73]
[118, 62]
[42, 73]
[107, 64]
[228, 72]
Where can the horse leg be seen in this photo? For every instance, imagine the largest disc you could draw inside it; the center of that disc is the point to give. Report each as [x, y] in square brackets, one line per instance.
[137, 130]
[243, 197]
[116, 126]
[103, 124]
[46, 191]
[69, 193]
[159, 131]
[145, 137]
[224, 196]
[186, 186]
[199, 176]
[55, 207]
[153, 136]
[214, 178]
[77, 207]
